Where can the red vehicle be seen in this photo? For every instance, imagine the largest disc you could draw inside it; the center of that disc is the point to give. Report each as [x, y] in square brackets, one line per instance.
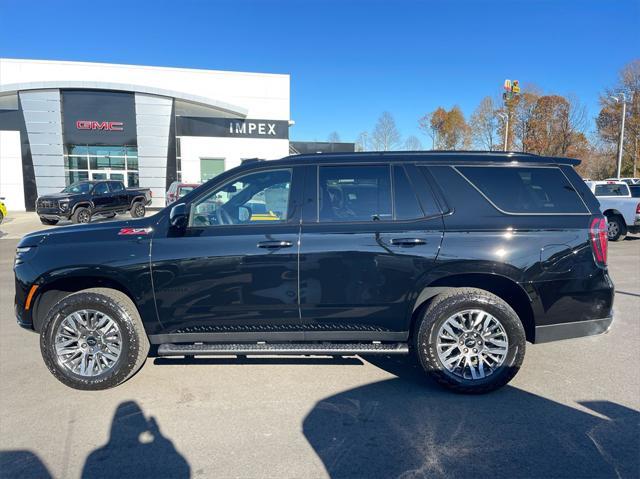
[178, 190]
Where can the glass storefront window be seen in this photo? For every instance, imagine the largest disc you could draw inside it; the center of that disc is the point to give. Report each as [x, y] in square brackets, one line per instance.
[83, 162]
[74, 176]
[75, 162]
[132, 179]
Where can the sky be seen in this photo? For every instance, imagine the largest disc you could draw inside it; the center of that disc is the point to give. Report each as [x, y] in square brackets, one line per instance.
[349, 60]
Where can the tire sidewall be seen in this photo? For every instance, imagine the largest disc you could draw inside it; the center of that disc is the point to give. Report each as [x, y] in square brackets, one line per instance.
[428, 335]
[130, 342]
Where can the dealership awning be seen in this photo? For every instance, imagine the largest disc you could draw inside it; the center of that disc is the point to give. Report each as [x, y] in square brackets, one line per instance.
[223, 107]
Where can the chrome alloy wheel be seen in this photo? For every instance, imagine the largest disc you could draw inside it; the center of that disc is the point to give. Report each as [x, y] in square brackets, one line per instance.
[472, 344]
[613, 229]
[88, 342]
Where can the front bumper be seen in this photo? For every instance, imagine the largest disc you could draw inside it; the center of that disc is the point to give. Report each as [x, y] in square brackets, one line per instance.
[576, 329]
[53, 213]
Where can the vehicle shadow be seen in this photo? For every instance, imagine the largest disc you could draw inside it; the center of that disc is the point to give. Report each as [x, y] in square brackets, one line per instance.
[409, 427]
[136, 448]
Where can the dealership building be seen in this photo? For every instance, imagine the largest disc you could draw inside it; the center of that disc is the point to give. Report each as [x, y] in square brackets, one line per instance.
[62, 122]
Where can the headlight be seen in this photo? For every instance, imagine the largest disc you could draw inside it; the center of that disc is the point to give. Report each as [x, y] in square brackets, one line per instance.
[63, 205]
[21, 252]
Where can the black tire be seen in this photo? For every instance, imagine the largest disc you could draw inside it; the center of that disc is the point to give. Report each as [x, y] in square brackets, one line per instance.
[81, 215]
[138, 210]
[119, 307]
[1, 217]
[454, 301]
[48, 222]
[616, 228]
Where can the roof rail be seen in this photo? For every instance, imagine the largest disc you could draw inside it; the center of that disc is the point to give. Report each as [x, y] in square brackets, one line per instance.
[244, 161]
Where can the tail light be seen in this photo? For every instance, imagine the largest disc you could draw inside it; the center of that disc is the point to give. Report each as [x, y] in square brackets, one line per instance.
[598, 239]
[638, 209]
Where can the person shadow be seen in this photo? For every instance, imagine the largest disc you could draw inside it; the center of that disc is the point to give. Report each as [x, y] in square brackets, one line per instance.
[410, 427]
[136, 448]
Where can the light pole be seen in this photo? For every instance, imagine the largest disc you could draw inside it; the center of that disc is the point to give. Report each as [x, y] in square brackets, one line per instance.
[620, 146]
[505, 119]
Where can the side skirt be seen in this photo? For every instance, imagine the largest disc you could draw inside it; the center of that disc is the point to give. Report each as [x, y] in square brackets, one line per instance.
[290, 336]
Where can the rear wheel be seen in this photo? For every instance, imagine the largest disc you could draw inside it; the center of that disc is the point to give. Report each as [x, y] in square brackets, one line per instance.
[94, 339]
[138, 210]
[616, 229]
[81, 215]
[48, 222]
[470, 341]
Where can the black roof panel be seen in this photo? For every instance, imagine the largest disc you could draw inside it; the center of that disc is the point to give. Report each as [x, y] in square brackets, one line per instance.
[434, 156]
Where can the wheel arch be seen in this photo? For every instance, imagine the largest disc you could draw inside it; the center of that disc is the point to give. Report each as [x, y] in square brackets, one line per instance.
[505, 288]
[51, 292]
[82, 204]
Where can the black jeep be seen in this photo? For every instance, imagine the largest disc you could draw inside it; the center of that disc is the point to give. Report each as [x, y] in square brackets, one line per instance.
[456, 257]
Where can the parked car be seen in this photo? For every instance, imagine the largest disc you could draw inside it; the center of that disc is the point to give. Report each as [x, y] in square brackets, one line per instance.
[629, 181]
[83, 200]
[619, 207]
[458, 258]
[635, 191]
[3, 210]
[177, 190]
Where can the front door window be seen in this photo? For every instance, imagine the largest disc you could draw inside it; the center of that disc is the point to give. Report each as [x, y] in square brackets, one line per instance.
[255, 198]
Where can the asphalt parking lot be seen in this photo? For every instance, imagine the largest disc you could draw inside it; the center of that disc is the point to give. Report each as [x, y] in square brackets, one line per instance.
[572, 411]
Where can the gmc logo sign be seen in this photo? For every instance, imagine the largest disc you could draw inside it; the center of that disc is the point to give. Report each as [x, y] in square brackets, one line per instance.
[99, 125]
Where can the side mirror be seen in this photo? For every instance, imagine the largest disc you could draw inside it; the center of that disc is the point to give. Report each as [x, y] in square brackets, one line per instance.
[179, 217]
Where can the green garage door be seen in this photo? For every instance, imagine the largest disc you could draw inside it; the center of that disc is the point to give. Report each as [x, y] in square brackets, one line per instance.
[210, 167]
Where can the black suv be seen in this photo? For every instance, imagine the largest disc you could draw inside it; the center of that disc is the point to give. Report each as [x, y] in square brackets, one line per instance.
[456, 257]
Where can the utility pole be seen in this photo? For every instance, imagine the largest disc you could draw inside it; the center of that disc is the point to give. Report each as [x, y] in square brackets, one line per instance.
[505, 119]
[624, 114]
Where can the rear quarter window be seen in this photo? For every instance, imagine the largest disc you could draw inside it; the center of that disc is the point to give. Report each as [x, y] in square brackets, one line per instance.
[525, 190]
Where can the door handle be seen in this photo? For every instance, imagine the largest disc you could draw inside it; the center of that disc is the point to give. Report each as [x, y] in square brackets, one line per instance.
[275, 244]
[408, 241]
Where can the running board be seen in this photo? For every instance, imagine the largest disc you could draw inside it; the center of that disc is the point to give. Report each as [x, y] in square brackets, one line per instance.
[324, 349]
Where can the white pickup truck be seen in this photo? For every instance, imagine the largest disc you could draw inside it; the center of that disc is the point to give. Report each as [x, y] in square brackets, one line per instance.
[622, 211]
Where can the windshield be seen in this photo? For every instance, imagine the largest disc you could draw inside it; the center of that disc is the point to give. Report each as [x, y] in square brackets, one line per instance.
[185, 189]
[82, 187]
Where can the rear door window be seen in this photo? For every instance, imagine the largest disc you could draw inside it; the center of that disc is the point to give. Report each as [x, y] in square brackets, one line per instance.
[405, 200]
[354, 193]
[525, 190]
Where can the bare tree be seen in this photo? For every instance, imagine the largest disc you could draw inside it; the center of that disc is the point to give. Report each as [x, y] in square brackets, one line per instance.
[412, 143]
[385, 135]
[484, 125]
[432, 124]
[334, 137]
[362, 141]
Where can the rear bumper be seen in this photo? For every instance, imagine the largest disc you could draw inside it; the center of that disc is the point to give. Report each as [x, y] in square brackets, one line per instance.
[576, 329]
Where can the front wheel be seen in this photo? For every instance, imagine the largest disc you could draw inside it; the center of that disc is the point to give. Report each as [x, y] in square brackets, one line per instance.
[470, 341]
[81, 215]
[138, 210]
[94, 339]
[616, 229]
